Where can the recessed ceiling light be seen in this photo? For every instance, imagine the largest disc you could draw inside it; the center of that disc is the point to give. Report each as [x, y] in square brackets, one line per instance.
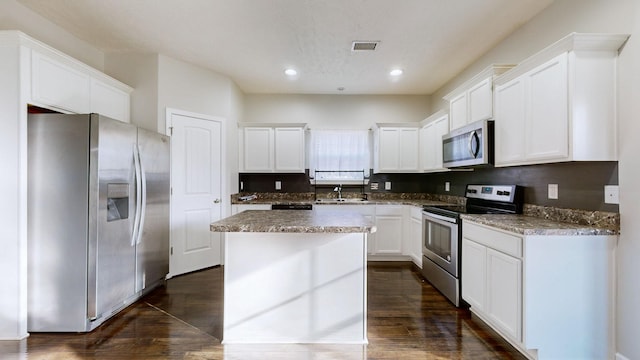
[291, 72]
[396, 72]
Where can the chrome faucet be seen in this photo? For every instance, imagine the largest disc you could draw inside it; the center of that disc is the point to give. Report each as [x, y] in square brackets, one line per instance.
[339, 190]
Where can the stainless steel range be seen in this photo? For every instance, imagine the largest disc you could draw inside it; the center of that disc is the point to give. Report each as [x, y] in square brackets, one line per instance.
[442, 232]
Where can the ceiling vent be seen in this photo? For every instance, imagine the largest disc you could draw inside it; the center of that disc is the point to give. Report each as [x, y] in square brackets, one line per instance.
[364, 45]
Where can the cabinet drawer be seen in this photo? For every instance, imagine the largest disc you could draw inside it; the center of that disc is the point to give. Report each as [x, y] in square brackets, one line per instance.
[389, 210]
[493, 238]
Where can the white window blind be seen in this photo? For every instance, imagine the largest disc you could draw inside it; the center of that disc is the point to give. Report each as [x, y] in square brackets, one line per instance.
[338, 153]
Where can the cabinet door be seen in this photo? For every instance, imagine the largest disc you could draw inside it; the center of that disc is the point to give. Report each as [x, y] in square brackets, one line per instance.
[480, 105]
[57, 85]
[474, 267]
[289, 150]
[504, 292]
[109, 101]
[388, 149]
[408, 154]
[547, 120]
[258, 149]
[510, 122]
[415, 240]
[431, 144]
[458, 111]
[389, 230]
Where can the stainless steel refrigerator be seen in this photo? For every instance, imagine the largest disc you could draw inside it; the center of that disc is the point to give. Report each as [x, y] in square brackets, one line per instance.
[98, 218]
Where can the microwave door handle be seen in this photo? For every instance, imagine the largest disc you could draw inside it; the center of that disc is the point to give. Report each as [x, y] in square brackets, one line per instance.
[473, 138]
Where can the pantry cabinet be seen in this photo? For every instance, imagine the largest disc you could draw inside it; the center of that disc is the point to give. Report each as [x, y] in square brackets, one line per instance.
[431, 132]
[559, 105]
[473, 100]
[395, 148]
[265, 148]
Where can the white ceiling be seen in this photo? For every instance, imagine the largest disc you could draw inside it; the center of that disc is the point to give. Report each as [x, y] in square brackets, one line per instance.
[253, 41]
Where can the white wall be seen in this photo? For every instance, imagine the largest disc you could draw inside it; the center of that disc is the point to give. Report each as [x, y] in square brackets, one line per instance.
[336, 111]
[15, 16]
[618, 16]
[628, 311]
[191, 88]
[140, 71]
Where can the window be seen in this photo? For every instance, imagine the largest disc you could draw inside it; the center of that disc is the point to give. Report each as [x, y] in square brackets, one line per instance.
[340, 155]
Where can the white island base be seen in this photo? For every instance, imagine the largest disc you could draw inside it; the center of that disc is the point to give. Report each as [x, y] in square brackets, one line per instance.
[295, 288]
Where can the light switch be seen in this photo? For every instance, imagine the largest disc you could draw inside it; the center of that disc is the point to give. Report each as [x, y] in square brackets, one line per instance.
[447, 186]
[278, 185]
[553, 191]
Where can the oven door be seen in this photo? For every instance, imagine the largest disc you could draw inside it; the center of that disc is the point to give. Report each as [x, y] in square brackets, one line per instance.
[440, 241]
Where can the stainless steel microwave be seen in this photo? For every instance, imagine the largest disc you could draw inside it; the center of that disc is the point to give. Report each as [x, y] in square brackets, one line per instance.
[471, 145]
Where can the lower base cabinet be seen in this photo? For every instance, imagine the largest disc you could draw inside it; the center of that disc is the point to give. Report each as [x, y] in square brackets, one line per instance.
[551, 296]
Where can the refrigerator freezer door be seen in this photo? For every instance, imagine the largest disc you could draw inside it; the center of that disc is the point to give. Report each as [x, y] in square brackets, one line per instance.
[111, 257]
[152, 251]
[57, 191]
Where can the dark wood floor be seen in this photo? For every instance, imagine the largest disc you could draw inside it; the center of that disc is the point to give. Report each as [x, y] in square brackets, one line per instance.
[407, 319]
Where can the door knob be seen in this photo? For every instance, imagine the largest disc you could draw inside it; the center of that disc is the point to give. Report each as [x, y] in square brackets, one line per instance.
[216, 201]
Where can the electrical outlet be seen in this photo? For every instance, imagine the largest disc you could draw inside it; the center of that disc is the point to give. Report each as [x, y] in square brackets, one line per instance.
[611, 194]
[552, 192]
[374, 186]
[447, 186]
[387, 185]
[278, 185]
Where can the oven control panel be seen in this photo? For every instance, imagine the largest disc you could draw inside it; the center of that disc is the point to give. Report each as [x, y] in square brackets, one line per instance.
[503, 193]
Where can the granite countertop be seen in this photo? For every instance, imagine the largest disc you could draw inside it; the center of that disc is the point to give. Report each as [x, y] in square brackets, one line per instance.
[412, 202]
[530, 225]
[295, 221]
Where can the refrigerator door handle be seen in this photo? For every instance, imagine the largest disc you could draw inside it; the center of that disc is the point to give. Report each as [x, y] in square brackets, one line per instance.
[143, 198]
[138, 174]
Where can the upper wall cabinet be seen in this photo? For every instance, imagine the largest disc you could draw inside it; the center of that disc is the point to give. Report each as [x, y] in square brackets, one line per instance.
[473, 100]
[395, 148]
[431, 132]
[272, 148]
[61, 83]
[560, 104]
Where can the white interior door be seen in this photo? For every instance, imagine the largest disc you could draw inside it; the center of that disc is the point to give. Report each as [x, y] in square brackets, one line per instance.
[197, 150]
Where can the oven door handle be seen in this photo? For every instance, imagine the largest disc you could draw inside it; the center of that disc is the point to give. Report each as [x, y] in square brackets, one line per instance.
[440, 217]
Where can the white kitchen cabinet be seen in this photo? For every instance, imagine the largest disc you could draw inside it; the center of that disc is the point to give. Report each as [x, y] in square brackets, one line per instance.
[58, 85]
[504, 292]
[61, 83]
[389, 224]
[560, 104]
[474, 270]
[473, 100]
[396, 148]
[258, 149]
[431, 132]
[110, 100]
[520, 284]
[289, 149]
[266, 148]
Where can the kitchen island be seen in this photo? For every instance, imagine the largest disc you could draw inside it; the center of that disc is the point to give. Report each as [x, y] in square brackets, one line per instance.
[295, 276]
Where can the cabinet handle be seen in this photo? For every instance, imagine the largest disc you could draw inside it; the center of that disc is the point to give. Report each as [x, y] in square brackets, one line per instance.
[474, 139]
